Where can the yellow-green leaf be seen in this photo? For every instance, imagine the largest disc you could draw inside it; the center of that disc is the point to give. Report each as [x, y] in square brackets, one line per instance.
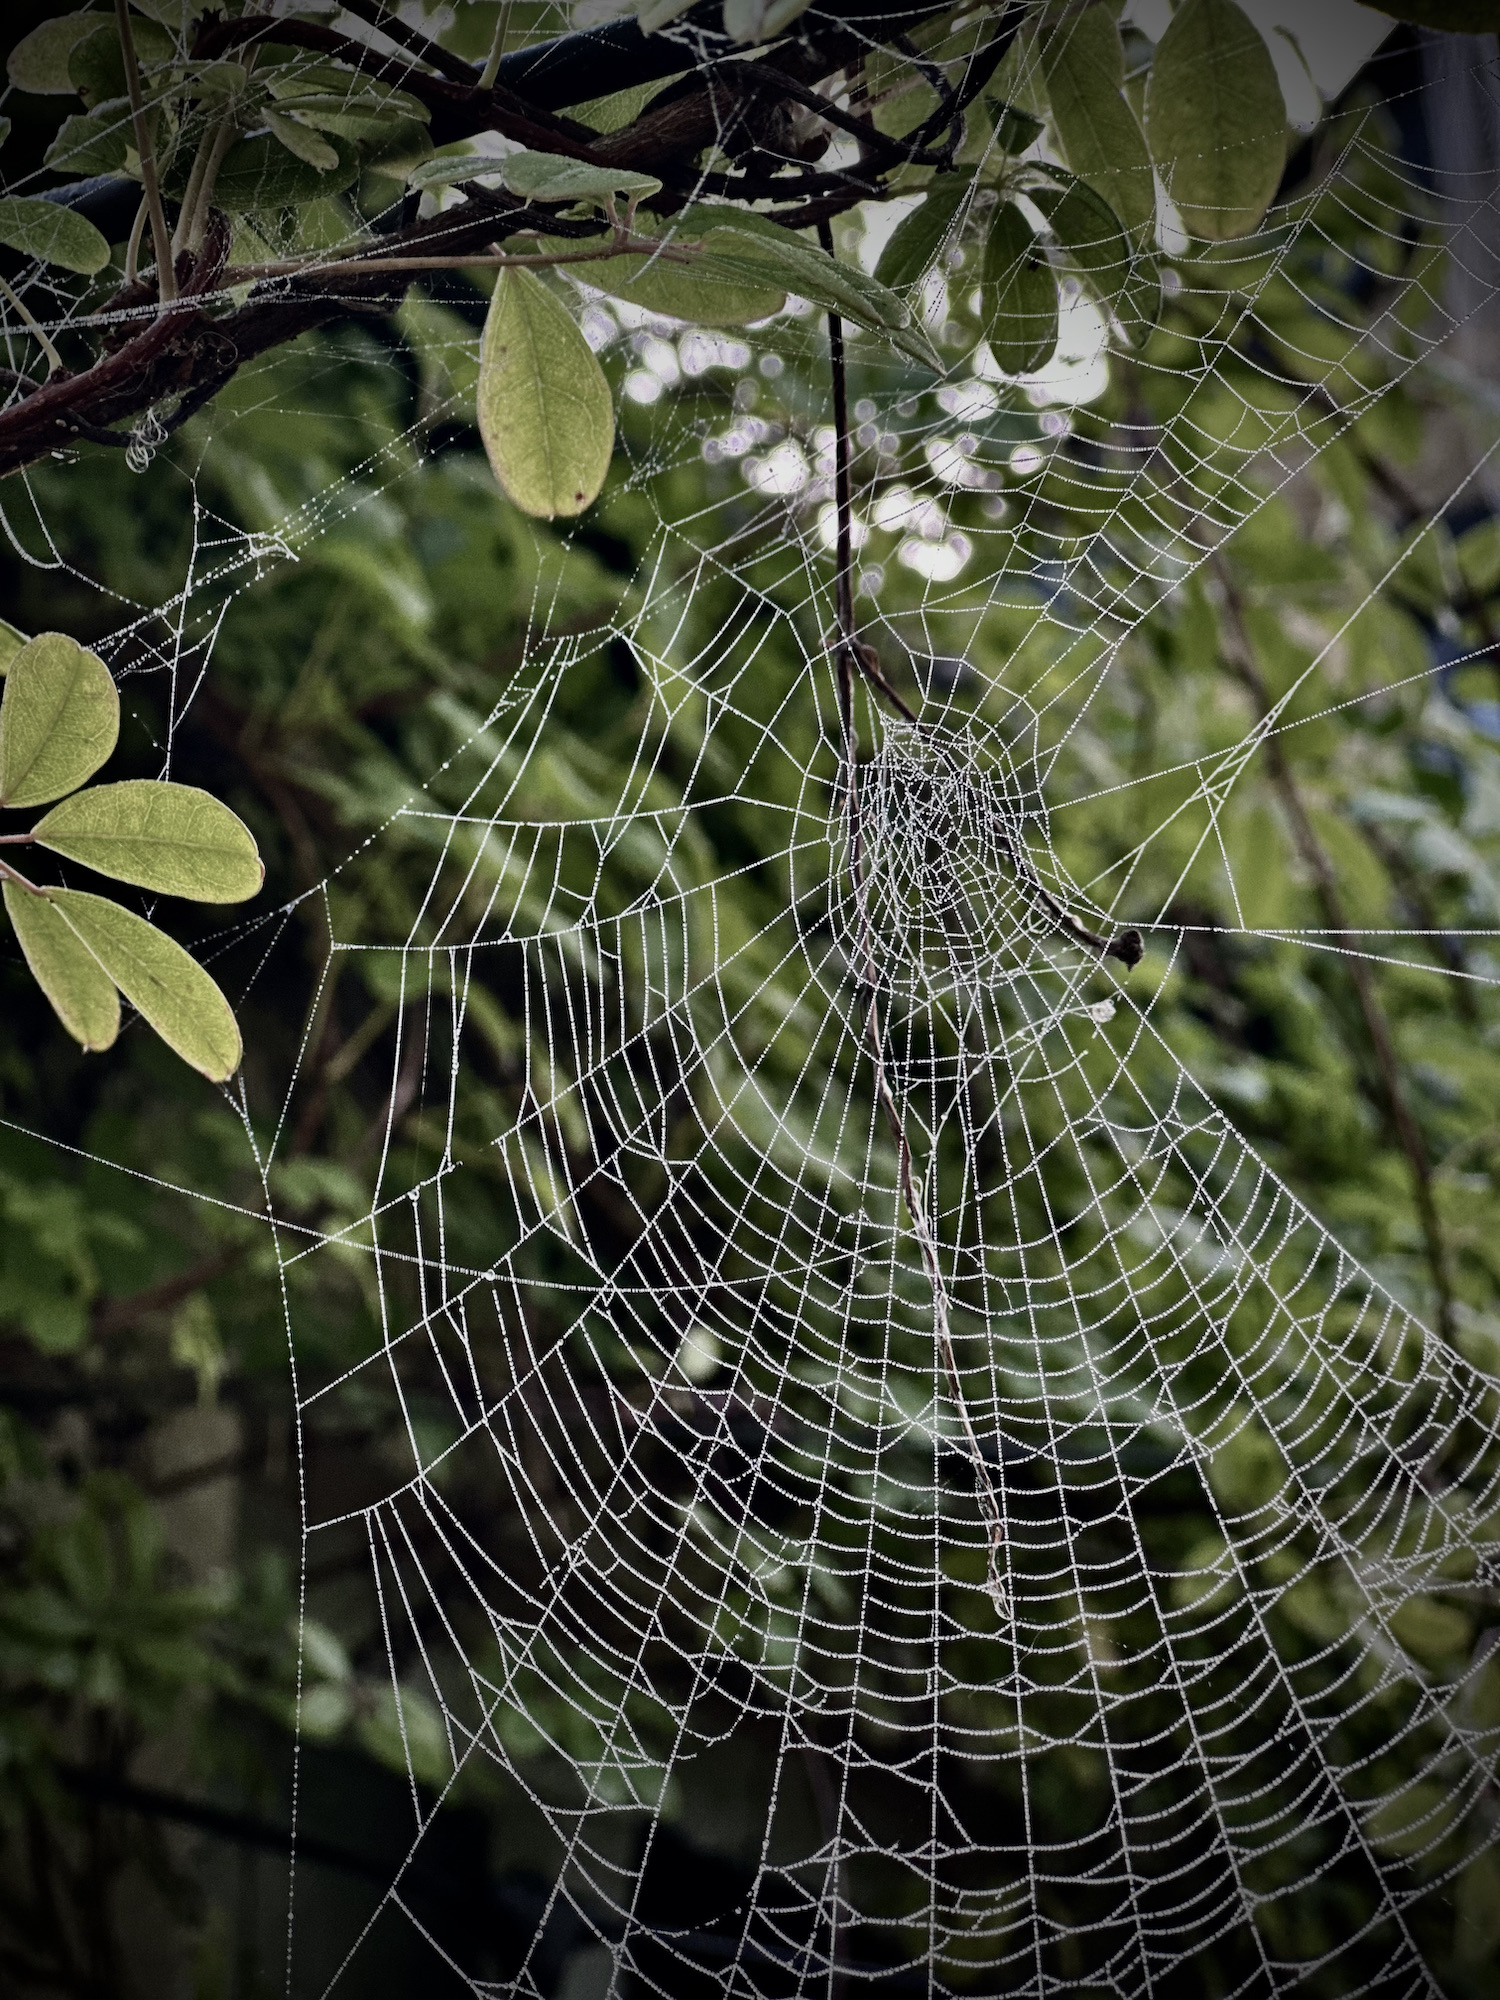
[82, 993]
[168, 987]
[39, 61]
[1084, 67]
[704, 293]
[56, 234]
[59, 720]
[545, 412]
[1020, 295]
[1215, 119]
[160, 836]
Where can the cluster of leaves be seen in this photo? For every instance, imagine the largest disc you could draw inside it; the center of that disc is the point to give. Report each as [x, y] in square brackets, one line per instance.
[59, 722]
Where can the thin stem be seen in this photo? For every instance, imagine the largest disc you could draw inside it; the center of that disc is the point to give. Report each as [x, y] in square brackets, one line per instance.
[16, 839]
[9, 874]
[190, 193]
[161, 239]
[39, 332]
[133, 246]
[847, 655]
[497, 47]
[1325, 879]
[197, 224]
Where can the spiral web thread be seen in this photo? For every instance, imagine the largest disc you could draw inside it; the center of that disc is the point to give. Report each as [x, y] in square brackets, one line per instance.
[745, 1477]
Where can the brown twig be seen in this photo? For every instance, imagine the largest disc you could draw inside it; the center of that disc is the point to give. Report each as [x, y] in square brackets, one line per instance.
[118, 1315]
[1315, 859]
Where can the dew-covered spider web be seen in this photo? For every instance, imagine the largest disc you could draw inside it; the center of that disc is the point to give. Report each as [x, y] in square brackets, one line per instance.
[871, 1279]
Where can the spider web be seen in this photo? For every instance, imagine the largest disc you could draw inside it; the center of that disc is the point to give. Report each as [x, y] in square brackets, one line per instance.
[959, 1284]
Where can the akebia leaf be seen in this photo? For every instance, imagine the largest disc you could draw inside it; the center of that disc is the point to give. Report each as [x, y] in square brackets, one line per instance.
[39, 61]
[159, 836]
[545, 413]
[450, 168]
[59, 720]
[260, 173]
[1083, 63]
[703, 292]
[551, 177]
[917, 238]
[1215, 119]
[82, 993]
[92, 142]
[163, 982]
[1121, 277]
[756, 246]
[1020, 295]
[56, 234]
[298, 140]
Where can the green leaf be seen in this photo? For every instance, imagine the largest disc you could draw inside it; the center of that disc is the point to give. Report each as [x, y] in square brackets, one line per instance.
[261, 173]
[754, 245]
[917, 238]
[59, 720]
[39, 61]
[82, 993]
[11, 642]
[56, 234]
[550, 177]
[304, 144]
[92, 142]
[544, 405]
[1215, 119]
[704, 293]
[1020, 295]
[1015, 129]
[169, 988]
[1122, 278]
[1083, 63]
[449, 168]
[159, 836]
[96, 64]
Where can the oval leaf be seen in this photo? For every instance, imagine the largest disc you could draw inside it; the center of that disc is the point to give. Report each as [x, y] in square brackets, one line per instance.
[739, 239]
[545, 412]
[703, 293]
[59, 720]
[1083, 63]
[1020, 295]
[261, 173]
[550, 177]
[39, 61]
[92, 142]
[159, 836]
[302, 143]
[1215, 119]
[917, 238]
[450, 168]
[169, 988]
[56, 234]
[1122, 278]
[82, 993]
